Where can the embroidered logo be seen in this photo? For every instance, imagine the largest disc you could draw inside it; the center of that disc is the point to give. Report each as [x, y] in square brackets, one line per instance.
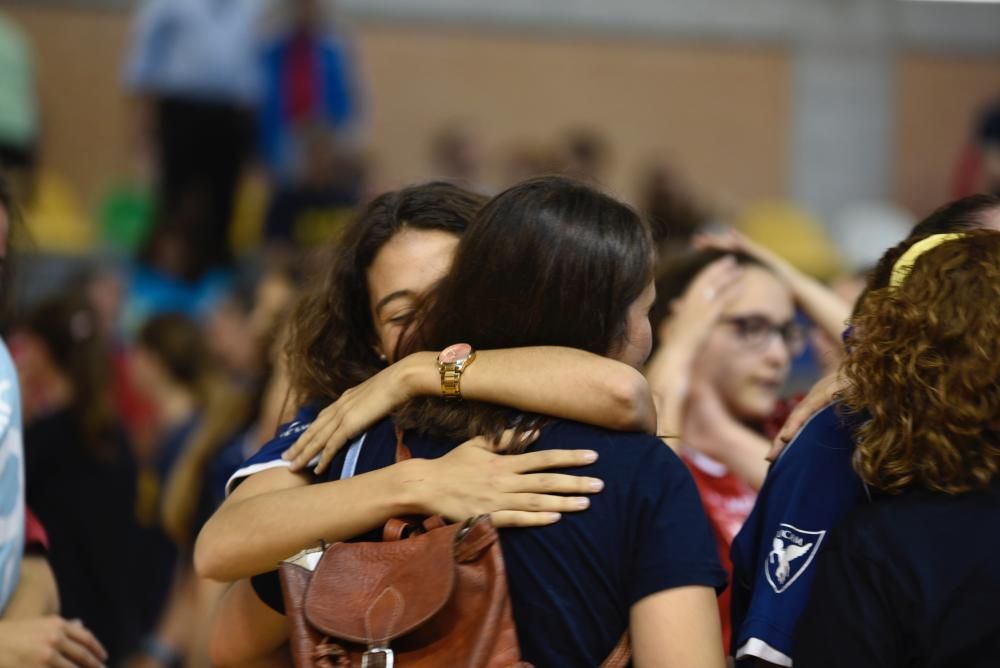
[294, 429]
[792, 550]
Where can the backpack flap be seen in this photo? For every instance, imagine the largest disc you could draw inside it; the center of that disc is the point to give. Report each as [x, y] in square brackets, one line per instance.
[372, 593]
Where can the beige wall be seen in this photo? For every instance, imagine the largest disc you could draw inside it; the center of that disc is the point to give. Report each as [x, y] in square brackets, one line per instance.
[937, 101]
[721, 111]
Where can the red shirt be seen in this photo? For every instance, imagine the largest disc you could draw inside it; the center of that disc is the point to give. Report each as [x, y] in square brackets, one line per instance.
[35, 538]
[728, 502]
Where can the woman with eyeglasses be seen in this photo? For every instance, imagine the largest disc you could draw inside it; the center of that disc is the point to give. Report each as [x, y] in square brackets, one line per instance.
[727, 334]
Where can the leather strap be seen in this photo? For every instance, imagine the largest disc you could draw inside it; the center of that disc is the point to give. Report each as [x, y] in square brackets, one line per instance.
[395, 529]
[621, 655]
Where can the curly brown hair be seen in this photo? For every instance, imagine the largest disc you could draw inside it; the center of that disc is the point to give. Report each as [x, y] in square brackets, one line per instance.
[924, 371]
[331, 334]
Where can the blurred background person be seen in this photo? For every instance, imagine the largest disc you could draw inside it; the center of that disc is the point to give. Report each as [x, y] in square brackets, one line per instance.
[727, 333]
[457, 155]
[19, 118]
[193, 68]
[672, 210]
[32, 634]
[978, 167]
[79, 472]
[309, 86]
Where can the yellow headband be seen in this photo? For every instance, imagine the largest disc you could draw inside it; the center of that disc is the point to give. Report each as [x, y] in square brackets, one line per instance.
[905, 263]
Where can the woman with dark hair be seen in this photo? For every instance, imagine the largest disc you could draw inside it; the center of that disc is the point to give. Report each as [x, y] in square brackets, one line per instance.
[344, 333]
[576, 270]
[79, 473]
[910, 579]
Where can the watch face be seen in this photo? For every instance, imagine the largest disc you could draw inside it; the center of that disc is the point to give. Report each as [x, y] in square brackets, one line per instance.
[454, 353]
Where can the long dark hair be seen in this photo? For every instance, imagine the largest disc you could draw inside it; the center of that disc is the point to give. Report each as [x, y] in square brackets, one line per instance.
[548, 262]
[331, 337]
[69, 329]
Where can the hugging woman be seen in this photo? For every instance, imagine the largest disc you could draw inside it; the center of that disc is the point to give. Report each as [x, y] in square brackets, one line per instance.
[547, 263]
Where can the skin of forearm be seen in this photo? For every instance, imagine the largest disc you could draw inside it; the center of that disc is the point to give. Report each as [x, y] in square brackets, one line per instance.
[36, 594]
[563, 382]
[250, 536]
[245, 632]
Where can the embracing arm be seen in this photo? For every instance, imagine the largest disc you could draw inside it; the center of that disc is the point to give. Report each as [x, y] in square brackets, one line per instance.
[677, 628]
[276, 513]
[562, 382]
[246, 632]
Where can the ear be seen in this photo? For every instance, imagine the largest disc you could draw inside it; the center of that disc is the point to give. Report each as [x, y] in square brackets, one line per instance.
[378, 352]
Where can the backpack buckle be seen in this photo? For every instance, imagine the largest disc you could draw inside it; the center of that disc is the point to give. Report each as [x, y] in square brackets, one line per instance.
[378, 657]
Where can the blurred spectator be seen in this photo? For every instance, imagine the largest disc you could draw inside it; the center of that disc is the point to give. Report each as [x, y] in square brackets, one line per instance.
[988, 136]
[168, 364]
[308, 82]
[456, 155]
[673, 214]
[585, 155]
[167, 280]
[527, 160]
[193, 63]
[312, 211]
[79, 473]
[978, 168]
[12, 514]
[236, 419]
[32, 635]
[18, 106]
[727, 336]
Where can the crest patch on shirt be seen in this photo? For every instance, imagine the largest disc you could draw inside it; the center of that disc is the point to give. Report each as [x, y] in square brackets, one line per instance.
[294, 429]
[792, 550]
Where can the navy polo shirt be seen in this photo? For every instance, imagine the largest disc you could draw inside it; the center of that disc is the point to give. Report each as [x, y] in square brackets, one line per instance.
[908, 580]
[573, 583]
[808, 490]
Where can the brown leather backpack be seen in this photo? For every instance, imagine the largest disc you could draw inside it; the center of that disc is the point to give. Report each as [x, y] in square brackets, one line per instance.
[430, 594]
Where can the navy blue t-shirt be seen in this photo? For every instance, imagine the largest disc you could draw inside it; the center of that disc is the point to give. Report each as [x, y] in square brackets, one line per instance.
[573, 583]
[908, 581]
[808, 490]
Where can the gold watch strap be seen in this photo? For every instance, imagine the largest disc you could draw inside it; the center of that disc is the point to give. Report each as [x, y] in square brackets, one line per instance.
[451, 376]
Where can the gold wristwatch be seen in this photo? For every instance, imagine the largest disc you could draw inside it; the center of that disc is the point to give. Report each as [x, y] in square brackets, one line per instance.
[452, 361]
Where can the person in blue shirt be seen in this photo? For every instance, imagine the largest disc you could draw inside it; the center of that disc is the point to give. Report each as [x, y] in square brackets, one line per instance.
[309, 85]
[813, 486]
[343, 367]
[32, 633]
[911, 579]
[193, 65]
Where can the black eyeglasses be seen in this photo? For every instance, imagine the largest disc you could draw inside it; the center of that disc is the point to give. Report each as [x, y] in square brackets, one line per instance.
[756, 331]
